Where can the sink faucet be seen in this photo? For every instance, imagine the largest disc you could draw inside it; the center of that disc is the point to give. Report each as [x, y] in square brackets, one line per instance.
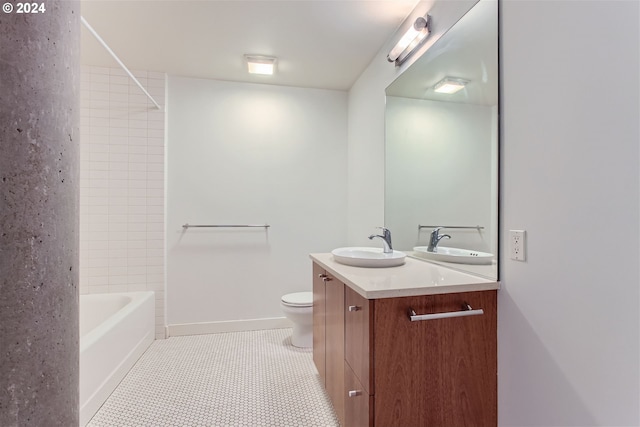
[435, 239]
[386, 239]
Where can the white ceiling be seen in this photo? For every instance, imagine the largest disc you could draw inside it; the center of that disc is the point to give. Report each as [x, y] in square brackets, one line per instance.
[318, 43]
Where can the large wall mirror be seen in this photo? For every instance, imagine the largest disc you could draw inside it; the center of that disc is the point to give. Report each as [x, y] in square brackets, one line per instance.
[441, 160]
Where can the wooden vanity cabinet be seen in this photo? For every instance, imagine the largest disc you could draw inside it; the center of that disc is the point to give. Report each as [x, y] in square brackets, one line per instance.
[439, 373]
[358, 337]
[358, 403]
[319, 302]
[328, 296]
[359, 384]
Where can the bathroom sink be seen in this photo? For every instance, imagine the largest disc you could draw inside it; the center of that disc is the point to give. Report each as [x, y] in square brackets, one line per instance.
[457, 255]
[368, 257]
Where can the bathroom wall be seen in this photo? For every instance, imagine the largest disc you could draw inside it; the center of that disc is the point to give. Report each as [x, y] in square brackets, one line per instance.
[445, 149]
[122, 185]
[568, 321]
[242, 153]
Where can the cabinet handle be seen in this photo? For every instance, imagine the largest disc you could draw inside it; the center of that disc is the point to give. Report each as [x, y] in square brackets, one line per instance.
[466, 311]
[327, 279]
[322, 275]
[354, 393]
[354, 308]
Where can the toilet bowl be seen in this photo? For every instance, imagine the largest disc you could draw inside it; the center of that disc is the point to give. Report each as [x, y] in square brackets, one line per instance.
[298, 308]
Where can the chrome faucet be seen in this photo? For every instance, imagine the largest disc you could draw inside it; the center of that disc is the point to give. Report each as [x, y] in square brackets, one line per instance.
[386, 239]
[435, 239]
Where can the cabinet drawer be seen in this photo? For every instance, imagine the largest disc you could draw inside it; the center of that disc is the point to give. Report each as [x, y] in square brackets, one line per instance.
[334, 344]
[358, 404]
[358, 315]
[319, 301]
[436, 372]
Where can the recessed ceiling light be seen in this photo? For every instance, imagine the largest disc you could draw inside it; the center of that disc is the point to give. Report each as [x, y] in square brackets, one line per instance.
[449, 85]
[257, 64]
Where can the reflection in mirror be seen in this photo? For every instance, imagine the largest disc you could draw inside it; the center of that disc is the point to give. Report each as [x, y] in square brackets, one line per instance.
[441, 165]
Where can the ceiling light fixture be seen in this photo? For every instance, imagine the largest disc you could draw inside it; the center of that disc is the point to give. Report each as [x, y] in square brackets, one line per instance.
[413, 38]
[257, 64]
[449, 85]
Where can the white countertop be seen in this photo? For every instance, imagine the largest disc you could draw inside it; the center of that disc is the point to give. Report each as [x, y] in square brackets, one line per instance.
[415, 277]
[487, 271]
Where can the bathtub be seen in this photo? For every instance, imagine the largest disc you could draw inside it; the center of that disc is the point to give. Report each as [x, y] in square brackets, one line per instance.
[115, 329]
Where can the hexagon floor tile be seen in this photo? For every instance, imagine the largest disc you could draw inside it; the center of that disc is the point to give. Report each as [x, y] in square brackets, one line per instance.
[234, 379]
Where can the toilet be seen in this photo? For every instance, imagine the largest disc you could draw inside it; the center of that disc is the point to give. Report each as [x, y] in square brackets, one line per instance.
[298, 308]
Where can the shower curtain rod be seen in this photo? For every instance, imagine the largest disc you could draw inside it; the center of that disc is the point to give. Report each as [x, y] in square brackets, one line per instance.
[104, 44]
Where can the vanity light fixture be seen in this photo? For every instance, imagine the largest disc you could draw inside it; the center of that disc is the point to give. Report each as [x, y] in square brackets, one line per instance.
[449, 85]
[413, 38]
[257, 64]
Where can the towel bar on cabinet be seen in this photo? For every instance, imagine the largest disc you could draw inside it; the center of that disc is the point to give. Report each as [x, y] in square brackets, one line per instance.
[466, 311]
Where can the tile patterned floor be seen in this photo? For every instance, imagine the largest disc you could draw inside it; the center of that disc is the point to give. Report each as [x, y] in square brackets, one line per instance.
[234, 379]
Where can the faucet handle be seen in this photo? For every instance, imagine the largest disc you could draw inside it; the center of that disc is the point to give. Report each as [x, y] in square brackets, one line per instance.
[386, 237]
[435, 234]
[385, 231]
[435, 238]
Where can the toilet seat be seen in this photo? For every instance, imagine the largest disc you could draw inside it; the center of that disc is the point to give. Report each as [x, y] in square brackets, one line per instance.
[298, 299]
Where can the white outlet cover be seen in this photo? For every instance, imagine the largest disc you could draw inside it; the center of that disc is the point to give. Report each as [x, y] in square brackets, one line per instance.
[517, 245]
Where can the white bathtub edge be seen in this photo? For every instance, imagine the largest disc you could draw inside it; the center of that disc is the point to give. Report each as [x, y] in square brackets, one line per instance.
[204, 328]
[100, 396]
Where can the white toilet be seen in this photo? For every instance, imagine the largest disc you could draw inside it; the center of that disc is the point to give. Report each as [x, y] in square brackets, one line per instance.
[298, 308]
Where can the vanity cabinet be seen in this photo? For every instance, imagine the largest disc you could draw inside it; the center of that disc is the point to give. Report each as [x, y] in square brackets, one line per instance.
[358, 403]
[328, 322]
[358, 337]
[319, 315]
[397, 372]
[358, 361]
[440, 372]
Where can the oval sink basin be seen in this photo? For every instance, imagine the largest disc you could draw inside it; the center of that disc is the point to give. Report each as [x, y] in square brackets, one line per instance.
[457, 255]
[368, 257]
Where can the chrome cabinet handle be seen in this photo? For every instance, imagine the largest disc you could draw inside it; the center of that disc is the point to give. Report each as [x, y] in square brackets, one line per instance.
[354, 308]
[322, 275]
[466, 311]
[354, 393]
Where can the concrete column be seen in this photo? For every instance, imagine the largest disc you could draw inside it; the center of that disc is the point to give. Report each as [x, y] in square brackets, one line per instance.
[39, 186]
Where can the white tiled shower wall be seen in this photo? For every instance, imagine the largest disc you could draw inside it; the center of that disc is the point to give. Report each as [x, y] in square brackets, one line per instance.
[122, 185]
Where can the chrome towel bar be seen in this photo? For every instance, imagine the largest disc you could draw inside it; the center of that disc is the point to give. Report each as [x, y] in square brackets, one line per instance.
[185, 226]
[477, 227]
[466, 311]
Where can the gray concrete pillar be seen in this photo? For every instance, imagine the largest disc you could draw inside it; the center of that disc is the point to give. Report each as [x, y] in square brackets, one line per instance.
[39, 186]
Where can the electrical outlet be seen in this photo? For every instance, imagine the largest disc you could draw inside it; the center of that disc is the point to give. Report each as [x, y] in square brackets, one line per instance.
[517, 244]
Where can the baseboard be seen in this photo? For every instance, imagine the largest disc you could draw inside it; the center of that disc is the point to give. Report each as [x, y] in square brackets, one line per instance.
[227, 326]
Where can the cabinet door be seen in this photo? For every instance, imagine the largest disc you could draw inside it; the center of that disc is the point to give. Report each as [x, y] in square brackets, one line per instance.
[357, 316]
[319, 320]
[358, 403]
[439, 372]
[334, 342]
